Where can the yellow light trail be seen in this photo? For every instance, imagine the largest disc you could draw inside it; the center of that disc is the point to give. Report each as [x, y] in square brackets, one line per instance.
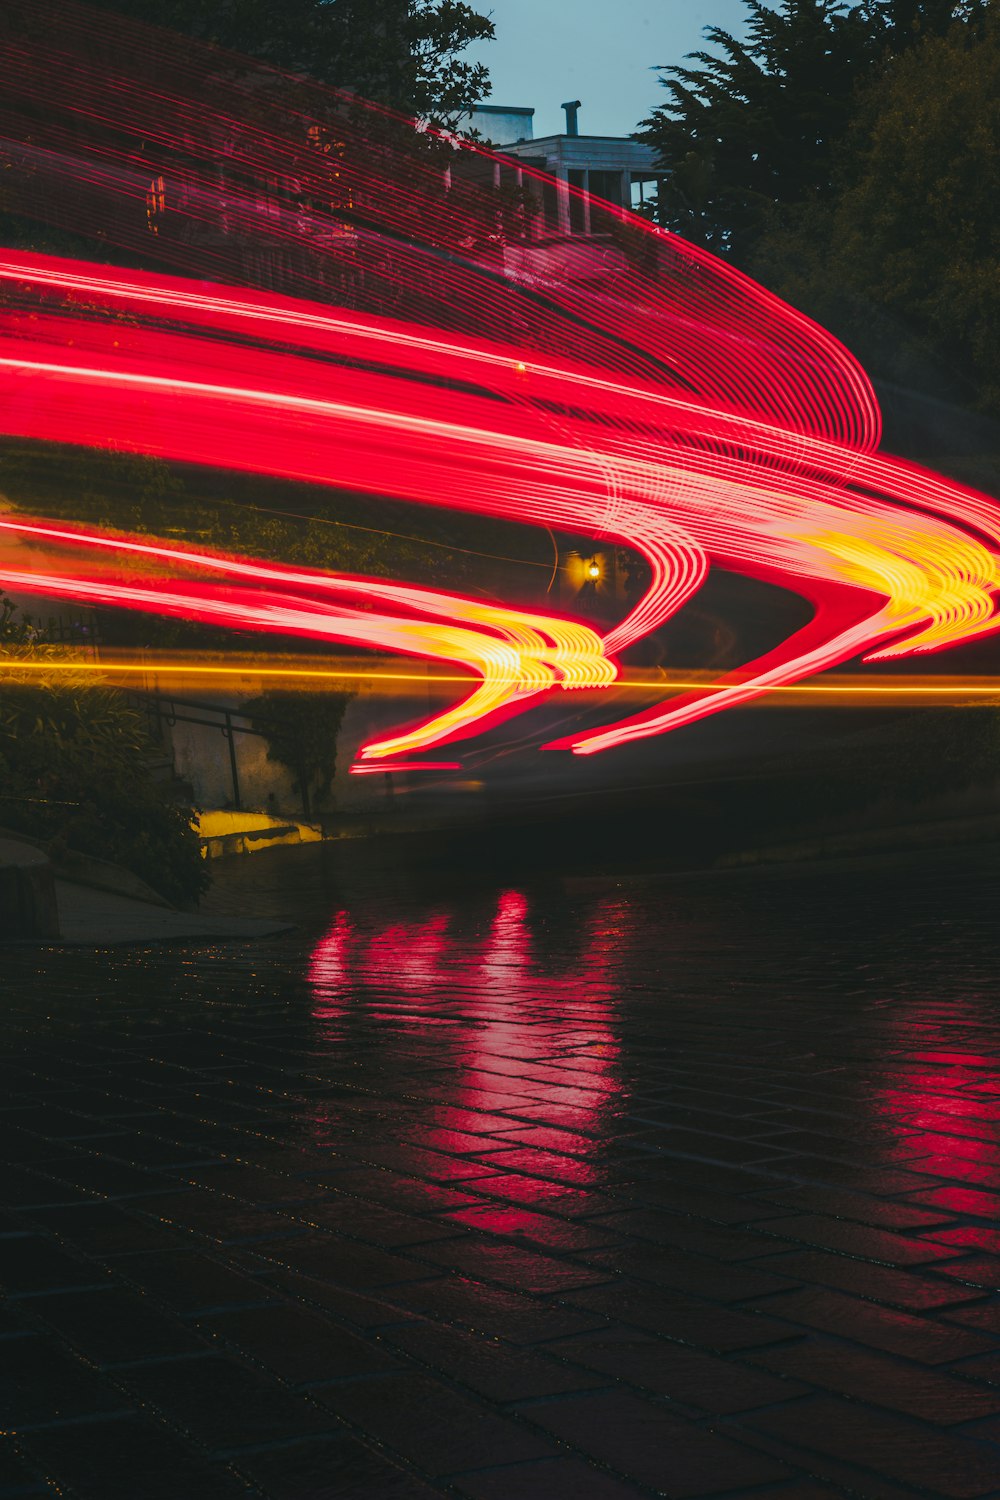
[327, 677]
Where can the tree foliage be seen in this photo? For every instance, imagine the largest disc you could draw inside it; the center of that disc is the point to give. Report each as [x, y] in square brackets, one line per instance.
[301, 732]
[848, 156]
[74, 771]
[405, 53]
[915, 231]
[752, 130]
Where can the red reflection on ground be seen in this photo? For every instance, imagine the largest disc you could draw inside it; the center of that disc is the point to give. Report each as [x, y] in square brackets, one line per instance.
[524, 1070]
[945, 1107]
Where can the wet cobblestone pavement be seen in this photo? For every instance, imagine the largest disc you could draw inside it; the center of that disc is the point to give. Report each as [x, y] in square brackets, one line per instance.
[594, 1188]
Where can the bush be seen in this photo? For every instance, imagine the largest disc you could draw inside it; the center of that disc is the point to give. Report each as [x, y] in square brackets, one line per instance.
[74, 773]
[301, 731]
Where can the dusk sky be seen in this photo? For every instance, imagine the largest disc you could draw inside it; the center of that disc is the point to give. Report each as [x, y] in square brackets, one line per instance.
[599, 51]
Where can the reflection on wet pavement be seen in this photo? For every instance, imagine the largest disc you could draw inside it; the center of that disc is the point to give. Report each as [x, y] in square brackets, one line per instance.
[570, 1187]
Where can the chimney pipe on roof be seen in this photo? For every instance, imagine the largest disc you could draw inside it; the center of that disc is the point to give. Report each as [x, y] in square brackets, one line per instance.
[571, 108]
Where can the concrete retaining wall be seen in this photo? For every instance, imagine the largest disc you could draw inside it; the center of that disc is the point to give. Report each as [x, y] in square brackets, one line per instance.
[28, 907]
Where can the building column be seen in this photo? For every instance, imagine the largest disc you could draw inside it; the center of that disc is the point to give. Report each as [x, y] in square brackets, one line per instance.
[562, 200]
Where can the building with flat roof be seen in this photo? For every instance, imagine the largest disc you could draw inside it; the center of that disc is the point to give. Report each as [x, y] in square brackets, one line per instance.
[502, 124]
[616, 168]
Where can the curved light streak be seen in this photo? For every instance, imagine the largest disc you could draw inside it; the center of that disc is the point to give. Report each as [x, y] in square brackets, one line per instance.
[662, 401]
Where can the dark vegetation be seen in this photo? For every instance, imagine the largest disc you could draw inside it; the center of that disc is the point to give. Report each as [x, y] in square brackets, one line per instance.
[301, 733]
[848, 156]
[75, 772]
[404, 53]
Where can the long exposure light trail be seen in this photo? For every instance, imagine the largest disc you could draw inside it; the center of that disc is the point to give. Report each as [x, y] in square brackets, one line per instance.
[666, 404]
[185, 672]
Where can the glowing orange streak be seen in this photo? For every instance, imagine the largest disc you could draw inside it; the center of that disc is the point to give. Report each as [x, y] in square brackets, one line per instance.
[862, 568]
[528, 654]
[112, 668]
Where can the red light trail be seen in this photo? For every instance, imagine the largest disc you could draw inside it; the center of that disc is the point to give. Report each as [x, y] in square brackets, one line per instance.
[662, 400]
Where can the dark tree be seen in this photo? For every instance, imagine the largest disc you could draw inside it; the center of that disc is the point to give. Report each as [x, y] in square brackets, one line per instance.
[301, 731]
[904, 263]
[76, 771]
[405, 53]
[751, 131]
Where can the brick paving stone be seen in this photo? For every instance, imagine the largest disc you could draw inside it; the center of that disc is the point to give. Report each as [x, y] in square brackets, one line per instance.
[222, 1403]
[556, 1197]
[22, 1187]
[376, 1225]
[960, 1469]
[492, 1310]
[675, 1144]
[704, 1324]
[972, 1171]
[254, 1184]
[687, 1273]
[697, 1237]
[23, 1148]
[141, 1150]
[697, 1380]
[17, 1477]
[857, 1239]
[105, 1177]
[358, 1267]
[544, 1231]
[846, 1176]
[836, 1471]
[103, 1228]
[190, 1282]
[490, 1367]
[436, 1166]
[522, 1270]
[698, 1203]
[406, 1194]
[983, 1367]
[726, 1098]
[934, 1395]
[980, 1271]
[983, 1315]
[970, 1130]
[929, 1342]
[112, 1326]
[40, 1383]
[107, 1460]
[971, 1201]
[462, 1143]
[550, 1479]
[549, 1138]
[955, 1150]
[297, 1345]
[642, 1441]
[477, 1122]
[913, 1293]
[970, 1237]
[224, 1220]
[361, 1312]
[31, 1264]
[860, 1208]
[52, 1123]
[337, 1469]
[796, 1490]
[424, 1422]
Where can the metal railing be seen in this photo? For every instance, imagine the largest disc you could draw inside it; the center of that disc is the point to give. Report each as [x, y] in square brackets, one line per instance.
[163, 711]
